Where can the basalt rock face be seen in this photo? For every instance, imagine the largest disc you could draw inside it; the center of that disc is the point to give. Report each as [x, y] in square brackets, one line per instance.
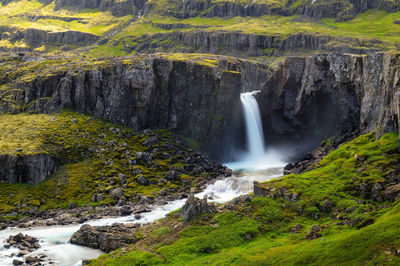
[36, 38]
[340, 9]
[26, 169]
[118, 8]
[191, 99]
[314, 97]
[331, 94]
[246, 45]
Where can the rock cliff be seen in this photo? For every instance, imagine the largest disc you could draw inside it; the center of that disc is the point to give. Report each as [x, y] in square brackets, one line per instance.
[194, 100]
[248, 45]
[340, 9]
[314, 97]
[117, 8]
[332, 94]
[27, 169]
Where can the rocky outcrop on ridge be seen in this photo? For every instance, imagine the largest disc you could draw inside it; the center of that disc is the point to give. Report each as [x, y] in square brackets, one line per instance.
[247, 45]
[117, 8]
[340, 9]
[36, 37]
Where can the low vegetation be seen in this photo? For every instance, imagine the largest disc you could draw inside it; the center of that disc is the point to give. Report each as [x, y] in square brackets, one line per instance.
[100, 163]
[330, 221]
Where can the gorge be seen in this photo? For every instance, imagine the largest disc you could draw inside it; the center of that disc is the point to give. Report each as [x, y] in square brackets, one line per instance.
[199, 132]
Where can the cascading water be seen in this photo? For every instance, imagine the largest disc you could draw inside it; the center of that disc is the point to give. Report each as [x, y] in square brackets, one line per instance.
[255, 134]
[256, 157]
[257, 164]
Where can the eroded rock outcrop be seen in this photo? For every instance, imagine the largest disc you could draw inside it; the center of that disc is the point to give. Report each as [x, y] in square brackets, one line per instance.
[27, 168]
[340, 9]
[106, 238]
[248, 45]
[194, 207]
[118, 8]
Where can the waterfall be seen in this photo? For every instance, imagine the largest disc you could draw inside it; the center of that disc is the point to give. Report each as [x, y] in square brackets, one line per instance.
[256, 157]
[254, 130]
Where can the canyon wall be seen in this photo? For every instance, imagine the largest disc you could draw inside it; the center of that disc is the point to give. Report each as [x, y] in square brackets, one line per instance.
[314, 97]
[191, 99]
[330, 94]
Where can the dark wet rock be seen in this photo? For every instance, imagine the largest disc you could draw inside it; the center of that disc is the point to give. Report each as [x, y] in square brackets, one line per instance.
[314, 232]
[106, 238]
[31, 259]
[296, 229]
[22, 253]
[17, 262]
[171, 175]
[163, 192]
[145, 156]
[126, 210]
[194, 207]
[307, 161]
[258, 190]
[241, 199]
[23, 242]
[143, 180]
[392, 193]
[151, 141]
[73, 205]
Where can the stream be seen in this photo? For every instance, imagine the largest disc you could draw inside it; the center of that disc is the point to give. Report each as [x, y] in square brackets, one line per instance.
[256, 164]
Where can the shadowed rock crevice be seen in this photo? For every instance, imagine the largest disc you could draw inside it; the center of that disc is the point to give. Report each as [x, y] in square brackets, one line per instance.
[27, 168]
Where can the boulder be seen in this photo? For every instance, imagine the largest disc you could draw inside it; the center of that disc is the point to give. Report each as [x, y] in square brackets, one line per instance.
[314, 232]
[143, 180]
[392, 193]
[195, 206]
[106, 238]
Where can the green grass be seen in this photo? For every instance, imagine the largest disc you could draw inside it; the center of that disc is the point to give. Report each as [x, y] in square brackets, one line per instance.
[258, 232]
[368, 27]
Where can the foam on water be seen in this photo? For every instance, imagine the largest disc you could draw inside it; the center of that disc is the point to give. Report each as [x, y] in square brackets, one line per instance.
[256, 165]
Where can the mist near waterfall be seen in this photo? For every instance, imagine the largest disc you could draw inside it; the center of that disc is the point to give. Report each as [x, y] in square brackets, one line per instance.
[256, 157]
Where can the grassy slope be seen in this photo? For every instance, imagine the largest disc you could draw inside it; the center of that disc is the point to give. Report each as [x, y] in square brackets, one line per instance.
[17, 15]
[94, 155]
[257, 232]
[367, 27]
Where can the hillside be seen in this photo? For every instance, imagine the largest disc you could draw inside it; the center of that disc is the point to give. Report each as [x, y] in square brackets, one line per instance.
[253, 29]
[221, 132]
[340, 213]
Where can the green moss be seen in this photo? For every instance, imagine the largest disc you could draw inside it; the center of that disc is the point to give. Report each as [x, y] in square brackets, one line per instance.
[261, 232]
[96, 157]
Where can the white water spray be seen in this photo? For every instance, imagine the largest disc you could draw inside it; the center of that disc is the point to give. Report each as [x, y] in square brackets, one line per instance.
[255, 134]
[257, 164]
[256, 157]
